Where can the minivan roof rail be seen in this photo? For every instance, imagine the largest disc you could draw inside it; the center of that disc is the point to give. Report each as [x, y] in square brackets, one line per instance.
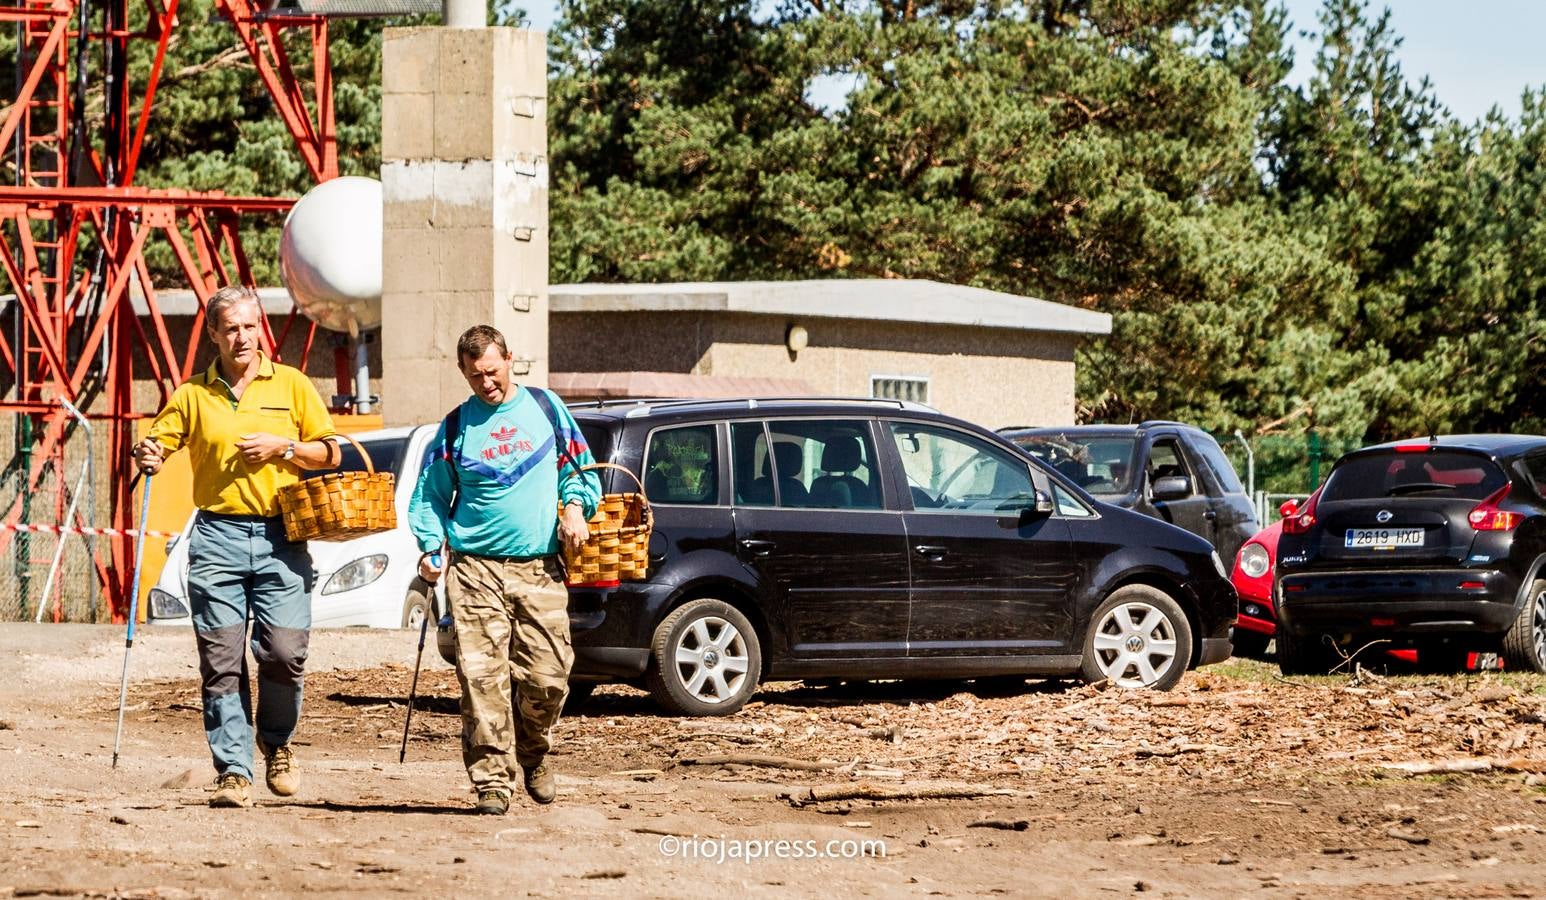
[644, 405]
[622, 401]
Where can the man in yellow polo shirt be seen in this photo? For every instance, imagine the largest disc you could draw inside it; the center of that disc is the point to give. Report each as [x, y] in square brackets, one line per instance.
[250, 426]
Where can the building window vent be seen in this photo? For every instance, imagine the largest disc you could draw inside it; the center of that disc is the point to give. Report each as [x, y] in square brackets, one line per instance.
[912, 388]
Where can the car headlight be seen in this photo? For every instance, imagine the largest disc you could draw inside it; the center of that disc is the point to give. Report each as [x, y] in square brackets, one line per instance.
[356, 574]
[1218, 565]
[1254, 560]
[165, 606]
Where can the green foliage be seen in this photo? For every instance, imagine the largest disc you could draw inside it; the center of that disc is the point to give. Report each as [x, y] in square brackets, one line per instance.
[1341, 257]
[215, 128]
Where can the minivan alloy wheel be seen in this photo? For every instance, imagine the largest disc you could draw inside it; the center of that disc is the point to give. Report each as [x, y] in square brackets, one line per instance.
[1135, 644]
[711, 660]
[1139, 638]
[705, 659]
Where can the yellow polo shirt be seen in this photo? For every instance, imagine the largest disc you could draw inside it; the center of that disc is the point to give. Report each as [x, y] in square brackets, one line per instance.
[204, 417]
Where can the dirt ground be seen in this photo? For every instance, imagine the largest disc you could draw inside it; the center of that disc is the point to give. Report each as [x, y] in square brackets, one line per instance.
[1237, 783]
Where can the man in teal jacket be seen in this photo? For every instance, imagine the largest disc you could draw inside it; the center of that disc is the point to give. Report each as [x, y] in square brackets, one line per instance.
[507, 457]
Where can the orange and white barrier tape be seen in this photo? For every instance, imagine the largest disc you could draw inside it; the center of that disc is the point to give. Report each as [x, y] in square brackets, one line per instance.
[97, 532]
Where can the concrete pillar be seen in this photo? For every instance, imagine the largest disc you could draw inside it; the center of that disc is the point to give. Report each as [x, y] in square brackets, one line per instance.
[464, 176]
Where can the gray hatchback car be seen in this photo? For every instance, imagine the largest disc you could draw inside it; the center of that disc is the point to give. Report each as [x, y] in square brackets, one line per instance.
[1168, 470]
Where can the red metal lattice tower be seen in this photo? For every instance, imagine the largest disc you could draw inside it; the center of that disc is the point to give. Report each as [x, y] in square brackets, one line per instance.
[74, 228]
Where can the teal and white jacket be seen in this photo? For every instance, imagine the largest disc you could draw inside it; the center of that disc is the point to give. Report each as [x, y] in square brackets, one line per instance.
[508, 479]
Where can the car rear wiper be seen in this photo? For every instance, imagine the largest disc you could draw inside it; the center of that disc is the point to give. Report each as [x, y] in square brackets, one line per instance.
[1418, 487]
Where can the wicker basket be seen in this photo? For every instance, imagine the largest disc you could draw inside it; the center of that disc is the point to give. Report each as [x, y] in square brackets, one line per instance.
[341, 505]
[618, 546]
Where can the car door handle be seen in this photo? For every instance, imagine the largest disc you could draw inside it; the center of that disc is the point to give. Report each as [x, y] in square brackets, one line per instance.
[930, 552]
[758, 548]
[1211, 514]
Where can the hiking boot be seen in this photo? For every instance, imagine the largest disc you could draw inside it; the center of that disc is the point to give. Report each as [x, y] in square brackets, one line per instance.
[540, 783]
[232, 791]
[279, 770]
[492, 803]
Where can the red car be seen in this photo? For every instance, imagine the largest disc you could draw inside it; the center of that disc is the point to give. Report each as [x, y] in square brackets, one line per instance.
[1252, 578]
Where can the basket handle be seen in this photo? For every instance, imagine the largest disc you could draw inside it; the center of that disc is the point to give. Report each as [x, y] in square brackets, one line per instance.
[624, 469]
[370, 466]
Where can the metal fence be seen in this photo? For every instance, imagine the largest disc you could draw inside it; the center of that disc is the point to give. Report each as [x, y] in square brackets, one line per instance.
[47, 577]
[51, 577]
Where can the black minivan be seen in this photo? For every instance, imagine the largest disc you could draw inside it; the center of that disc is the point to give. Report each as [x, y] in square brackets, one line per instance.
[877, 539]
[1436, 544]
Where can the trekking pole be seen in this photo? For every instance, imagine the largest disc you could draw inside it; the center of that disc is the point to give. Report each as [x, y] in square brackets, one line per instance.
[134, 614]
[413, 692]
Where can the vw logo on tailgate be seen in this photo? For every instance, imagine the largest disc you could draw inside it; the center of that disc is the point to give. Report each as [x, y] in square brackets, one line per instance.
[1383, 516]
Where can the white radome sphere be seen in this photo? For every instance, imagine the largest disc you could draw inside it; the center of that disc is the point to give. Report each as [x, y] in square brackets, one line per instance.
[330, 254]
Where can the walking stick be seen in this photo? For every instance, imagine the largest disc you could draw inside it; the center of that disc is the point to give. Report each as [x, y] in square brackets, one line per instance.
[413, 692]
[134, 614]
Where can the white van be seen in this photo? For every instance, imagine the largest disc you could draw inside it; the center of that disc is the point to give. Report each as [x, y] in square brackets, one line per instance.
[369, 581]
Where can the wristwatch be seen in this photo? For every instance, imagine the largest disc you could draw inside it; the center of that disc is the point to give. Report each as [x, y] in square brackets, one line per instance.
[289, 451]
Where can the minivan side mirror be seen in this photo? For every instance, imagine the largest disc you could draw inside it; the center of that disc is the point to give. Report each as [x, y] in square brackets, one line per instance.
[1289, 509]
[1172, 487]
[1038, 506]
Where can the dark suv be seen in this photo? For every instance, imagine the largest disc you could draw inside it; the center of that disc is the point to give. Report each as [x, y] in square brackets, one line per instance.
[1436, 544]
[876, 539]
[1167, 470]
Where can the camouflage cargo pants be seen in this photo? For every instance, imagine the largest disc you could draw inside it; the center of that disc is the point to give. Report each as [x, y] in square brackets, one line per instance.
[512, 633]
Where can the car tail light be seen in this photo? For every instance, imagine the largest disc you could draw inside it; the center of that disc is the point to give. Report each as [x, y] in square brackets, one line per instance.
[1301, 523]
[1487, 516]
[1413, 448]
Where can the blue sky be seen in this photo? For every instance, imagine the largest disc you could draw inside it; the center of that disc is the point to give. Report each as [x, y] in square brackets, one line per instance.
[1477, 53]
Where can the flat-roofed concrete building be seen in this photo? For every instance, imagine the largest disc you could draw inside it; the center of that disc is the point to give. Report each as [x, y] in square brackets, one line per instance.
[991, 357]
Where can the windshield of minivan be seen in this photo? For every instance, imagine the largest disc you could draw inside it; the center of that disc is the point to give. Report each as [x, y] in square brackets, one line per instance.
[1429, 473]
[1099, 464]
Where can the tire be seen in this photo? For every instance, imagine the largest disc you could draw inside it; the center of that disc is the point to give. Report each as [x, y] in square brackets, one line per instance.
[445, 641]
[417, 604]
[1250, 643]
[1524, 646]
[1303, 655]
[705, 660]
[1138, 638]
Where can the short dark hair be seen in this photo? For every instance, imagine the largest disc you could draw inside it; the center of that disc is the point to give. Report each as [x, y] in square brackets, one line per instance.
[225, 297]
[475, 341]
